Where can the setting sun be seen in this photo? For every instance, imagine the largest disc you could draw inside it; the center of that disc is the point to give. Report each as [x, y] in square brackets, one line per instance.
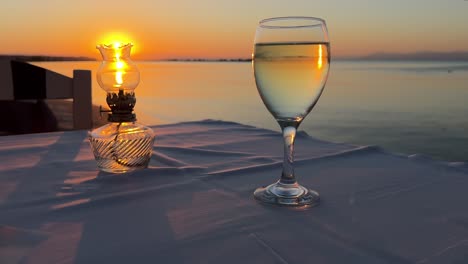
[118, 39]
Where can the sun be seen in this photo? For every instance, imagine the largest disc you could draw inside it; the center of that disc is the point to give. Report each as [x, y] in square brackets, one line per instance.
[115, 38]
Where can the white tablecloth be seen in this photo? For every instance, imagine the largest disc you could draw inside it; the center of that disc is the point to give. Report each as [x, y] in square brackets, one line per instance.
[194, 204]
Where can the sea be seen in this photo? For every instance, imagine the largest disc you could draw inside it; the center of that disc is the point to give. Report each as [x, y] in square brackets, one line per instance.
[404, 107]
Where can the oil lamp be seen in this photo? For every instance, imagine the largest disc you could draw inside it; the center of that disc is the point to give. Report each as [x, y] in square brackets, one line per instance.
[122, 145]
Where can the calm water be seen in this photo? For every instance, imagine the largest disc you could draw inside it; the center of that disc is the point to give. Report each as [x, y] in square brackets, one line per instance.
[405, 107]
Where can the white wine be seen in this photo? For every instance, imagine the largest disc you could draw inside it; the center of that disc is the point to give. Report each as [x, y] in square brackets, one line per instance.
[290, 77]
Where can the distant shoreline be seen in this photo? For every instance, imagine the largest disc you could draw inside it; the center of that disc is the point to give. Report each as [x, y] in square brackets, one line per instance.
[44, 58]
[209, 60]
[381, 56]
[415, 56]
[458, 56]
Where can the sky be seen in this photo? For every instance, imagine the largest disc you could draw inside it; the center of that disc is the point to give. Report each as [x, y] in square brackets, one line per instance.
[162, 29]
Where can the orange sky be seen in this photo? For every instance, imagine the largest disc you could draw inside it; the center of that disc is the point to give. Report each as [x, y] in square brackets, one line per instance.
[222, 28]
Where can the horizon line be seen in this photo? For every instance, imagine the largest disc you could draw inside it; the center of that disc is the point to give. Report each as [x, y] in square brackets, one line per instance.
[419, 55]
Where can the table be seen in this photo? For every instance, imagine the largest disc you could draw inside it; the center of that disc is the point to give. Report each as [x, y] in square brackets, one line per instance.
[194, 203]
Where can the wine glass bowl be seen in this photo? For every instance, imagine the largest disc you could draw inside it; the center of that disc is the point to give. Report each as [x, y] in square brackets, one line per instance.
[291, 60]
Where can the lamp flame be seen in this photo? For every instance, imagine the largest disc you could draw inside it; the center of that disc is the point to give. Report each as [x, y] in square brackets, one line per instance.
[319, 61]
[119, 78]
[119, 65]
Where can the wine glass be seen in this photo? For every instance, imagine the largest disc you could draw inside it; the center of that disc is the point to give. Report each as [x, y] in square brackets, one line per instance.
[291, 59]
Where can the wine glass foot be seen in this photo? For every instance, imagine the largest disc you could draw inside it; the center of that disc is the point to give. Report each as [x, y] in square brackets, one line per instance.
[292, 195]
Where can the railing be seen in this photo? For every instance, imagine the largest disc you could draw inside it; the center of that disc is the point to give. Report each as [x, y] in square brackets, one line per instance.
[24, 81]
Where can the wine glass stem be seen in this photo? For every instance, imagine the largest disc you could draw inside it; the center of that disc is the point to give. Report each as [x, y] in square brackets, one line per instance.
[289, 135]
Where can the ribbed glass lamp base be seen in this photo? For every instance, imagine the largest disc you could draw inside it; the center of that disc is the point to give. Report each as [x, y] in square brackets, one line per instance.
[122, 147]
